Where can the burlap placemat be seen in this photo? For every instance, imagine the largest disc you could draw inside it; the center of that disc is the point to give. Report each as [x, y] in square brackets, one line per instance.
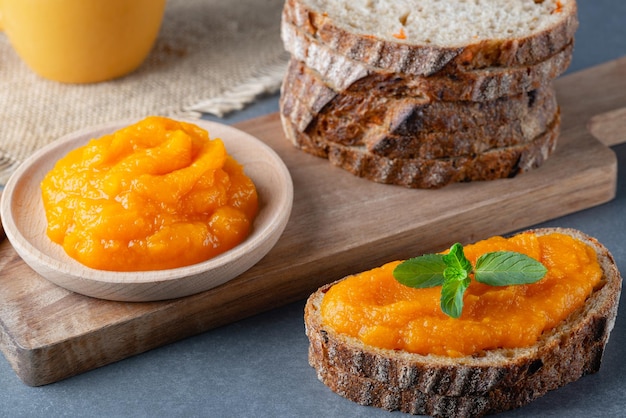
[211, 56]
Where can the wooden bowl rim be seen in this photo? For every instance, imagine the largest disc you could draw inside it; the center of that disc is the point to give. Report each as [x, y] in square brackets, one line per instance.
[271, 220]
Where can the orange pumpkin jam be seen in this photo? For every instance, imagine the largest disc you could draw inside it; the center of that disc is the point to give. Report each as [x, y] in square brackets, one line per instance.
[373, 307]
[155, 195]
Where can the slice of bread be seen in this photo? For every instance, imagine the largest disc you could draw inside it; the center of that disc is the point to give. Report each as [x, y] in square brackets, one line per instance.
[450, 84]
[496, 163]
[398, 121]
[470, 386]
[422, 38]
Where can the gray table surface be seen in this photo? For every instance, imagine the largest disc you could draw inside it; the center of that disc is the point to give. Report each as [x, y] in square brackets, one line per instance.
[258, 367]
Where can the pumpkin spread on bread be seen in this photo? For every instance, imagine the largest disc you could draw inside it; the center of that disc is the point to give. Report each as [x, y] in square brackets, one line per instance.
[488, 345]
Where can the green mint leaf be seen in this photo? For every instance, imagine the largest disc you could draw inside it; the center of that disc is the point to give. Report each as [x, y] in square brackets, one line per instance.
[453, 273]
[421, 272]
[452, 296]
[503, 268]
[456, 259]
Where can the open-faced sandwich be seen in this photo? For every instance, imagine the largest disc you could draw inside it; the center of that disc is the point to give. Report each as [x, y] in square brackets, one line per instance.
[471, 331]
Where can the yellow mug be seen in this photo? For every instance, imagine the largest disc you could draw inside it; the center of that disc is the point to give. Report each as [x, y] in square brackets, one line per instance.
[82, 41]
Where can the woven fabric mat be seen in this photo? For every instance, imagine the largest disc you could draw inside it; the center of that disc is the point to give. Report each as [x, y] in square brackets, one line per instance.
[211, 56]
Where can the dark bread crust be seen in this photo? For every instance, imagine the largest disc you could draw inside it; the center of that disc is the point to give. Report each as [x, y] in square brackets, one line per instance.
[422, 116]
[398, 121]
[449, 84]
[428, 59]
[496, 163]
[494, 381]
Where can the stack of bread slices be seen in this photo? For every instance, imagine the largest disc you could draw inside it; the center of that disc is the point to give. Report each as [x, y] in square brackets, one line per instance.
[423, 93]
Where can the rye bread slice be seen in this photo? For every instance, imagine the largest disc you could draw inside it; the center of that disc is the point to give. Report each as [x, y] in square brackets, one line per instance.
[392, 119]
[424, 37]
[433, 173]
[452, 84]
[485, 383]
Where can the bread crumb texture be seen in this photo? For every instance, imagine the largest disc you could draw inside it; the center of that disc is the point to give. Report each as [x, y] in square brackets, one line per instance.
[443, 23]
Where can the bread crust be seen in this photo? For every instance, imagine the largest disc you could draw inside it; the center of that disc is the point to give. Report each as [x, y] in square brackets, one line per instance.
[398, 121]
[423, 173]
[398, 112]
[427, 59]
[491, 382]
[452, 84]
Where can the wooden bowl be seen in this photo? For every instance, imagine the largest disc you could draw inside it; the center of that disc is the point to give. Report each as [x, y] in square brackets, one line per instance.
[23, 216]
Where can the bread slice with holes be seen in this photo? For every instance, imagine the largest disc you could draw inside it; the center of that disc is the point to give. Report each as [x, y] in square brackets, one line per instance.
[424, 37]
[449, 84]
[470, 386]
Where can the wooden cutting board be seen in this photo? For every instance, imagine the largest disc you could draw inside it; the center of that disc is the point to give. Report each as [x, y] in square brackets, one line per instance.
[340, 224]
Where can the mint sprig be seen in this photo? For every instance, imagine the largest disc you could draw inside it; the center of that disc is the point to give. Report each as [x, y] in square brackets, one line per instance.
[453, 271]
